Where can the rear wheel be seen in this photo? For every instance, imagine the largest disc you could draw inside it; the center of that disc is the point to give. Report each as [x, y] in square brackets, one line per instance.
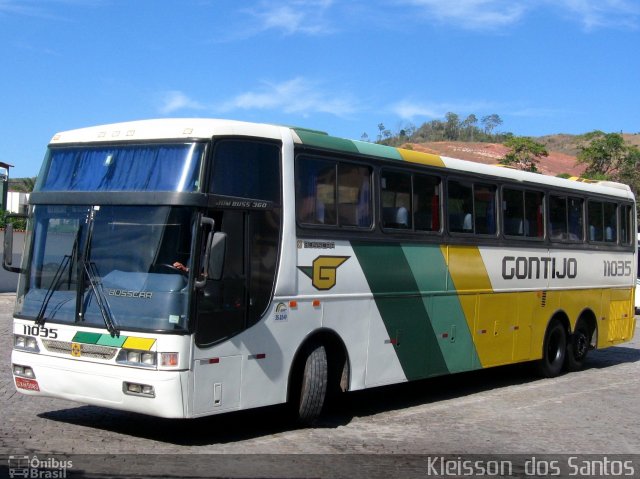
[310, 383]
[554, 350]
[578, 347]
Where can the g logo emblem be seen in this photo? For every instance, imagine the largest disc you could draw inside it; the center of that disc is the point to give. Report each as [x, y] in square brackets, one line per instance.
[323, 273]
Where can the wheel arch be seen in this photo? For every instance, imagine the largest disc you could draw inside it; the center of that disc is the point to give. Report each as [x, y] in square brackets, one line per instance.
[561, 316]
[337, 358]
[588, 317]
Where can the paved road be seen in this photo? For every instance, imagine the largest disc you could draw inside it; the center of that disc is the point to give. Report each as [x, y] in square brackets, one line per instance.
[500, 411]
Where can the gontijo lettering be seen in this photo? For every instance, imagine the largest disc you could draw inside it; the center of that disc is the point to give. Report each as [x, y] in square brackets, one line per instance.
[538, 267]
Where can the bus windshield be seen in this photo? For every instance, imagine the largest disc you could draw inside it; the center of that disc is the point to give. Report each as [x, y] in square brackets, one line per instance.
[148, 167]
[93, 265]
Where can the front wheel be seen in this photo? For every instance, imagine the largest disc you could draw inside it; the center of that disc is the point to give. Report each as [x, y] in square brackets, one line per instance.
[310, 383]
[554, 350]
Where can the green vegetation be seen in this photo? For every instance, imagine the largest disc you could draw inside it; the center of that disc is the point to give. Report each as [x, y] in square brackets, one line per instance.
[525, 153]
[608, 157]
[18, 223]
[25, 185]
[451, 128]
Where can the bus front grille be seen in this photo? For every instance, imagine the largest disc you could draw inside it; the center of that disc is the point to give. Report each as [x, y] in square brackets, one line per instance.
[86, 350]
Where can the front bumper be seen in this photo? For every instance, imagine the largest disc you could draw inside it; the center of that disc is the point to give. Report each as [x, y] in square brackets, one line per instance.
[102, 384]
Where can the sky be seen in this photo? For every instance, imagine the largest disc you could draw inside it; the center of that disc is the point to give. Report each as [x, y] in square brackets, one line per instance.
[544, 66]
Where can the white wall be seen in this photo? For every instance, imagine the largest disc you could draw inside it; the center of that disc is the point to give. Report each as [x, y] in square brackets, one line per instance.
[17, 202]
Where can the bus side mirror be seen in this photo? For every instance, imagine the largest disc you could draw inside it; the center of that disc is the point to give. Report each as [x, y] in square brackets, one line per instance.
[215, 247]
[8, 246]
[7, 257]
[216, 256]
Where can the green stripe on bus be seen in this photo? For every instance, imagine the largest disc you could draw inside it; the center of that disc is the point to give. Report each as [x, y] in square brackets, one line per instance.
[326, 141]
[86, 338]
[107, 340]
[447, 317]
[402, 309]
[374, 149]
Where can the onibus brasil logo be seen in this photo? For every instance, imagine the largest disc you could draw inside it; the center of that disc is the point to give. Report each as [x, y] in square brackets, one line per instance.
[323, 271]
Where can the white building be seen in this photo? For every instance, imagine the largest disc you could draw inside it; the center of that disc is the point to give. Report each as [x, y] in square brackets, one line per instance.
[17, 202]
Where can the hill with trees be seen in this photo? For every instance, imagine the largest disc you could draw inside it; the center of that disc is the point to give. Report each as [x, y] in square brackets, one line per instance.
[595, 155]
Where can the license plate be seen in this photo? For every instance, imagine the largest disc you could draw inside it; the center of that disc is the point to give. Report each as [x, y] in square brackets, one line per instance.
[28, 384]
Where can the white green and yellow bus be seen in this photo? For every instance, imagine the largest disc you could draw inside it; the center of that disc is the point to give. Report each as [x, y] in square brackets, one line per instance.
[189, 267]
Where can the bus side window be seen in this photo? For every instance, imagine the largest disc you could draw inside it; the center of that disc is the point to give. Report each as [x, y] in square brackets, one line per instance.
[426, 202]
[246, 169]
[484, 207]
[603, 221]
[565, 218]
[558, 217]
[316, 191]
[610, 222]
[333, 193]
[626, 222]
[460, 207]
[354, 195]
[576, 220]
[523, 213]
[396, 200]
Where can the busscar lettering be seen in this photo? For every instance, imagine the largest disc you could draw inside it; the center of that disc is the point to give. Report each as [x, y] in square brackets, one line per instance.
[121, 293]
[538, 267]
[320, 244]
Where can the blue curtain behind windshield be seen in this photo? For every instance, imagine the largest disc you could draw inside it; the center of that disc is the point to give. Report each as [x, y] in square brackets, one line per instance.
[122, 168]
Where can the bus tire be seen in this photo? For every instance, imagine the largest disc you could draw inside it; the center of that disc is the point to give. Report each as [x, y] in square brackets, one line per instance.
[312, 383]
[578, 347]
[554, 350]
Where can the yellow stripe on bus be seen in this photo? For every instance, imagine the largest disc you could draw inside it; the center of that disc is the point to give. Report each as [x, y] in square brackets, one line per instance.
[142, 344]
[422, 158]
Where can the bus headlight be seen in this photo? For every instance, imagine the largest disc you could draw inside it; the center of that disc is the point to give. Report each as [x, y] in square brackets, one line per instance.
[26, 343]
[131, 357]
[149, 359]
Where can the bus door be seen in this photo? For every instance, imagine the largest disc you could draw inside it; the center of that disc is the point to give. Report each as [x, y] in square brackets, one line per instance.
[227, 306]
[245, 203]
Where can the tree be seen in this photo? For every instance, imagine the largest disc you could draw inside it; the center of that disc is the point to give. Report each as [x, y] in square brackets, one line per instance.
[22, 184]
[491, 122]
[452, 126]
[608, 158]
[469, 125]
[525, 153]
[605, 153]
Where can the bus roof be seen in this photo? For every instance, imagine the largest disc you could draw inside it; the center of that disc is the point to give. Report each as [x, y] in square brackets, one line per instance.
[202, 128]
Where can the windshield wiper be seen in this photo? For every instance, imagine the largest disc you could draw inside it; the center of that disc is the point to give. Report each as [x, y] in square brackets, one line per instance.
[53, 287]
[57, 279]
[101, 300]
[89, 269]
